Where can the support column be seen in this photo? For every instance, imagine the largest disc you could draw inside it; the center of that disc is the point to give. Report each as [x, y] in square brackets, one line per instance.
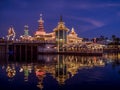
[25, 52]
[14, 46]
[20, 52]
[7, 48]
[31, 52]
[58, 42]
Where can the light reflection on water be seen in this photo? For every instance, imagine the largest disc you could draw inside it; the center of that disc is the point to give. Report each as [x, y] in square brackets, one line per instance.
[59, 72]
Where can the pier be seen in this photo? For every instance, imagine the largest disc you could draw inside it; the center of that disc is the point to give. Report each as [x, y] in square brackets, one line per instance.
[20, 49]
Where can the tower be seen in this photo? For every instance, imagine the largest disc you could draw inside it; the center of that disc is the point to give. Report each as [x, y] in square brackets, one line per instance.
[61, 34]
[40, 32]
[26, 36]
[26, 30]
[73, 33]
[11, 33]
[73, 37]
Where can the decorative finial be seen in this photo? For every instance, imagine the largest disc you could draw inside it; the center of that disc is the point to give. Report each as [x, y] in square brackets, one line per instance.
[72, 29]
[26, 30]
[26, 26]
[40, 16]
[40, 20]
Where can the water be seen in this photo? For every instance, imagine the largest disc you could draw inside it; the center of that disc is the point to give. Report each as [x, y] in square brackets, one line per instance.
[60, 72]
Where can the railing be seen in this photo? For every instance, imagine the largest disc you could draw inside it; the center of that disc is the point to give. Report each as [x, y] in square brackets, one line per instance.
[34, 42]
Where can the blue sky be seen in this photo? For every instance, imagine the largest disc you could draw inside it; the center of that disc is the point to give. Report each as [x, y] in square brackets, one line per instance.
[90, 18]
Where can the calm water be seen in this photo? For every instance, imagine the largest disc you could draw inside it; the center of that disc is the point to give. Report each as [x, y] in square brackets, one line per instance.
[59, 72]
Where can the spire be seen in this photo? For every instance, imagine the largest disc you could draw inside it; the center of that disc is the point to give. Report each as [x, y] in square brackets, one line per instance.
[11, 33]
[61, 25]
[41, 17]
[72, 30]
[41, 27]
[26, 30]
[10, 30]
[61, 20]
[26, 27]
[40, 20]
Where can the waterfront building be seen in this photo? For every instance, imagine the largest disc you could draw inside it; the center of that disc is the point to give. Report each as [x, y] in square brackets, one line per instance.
[11, 33]
[61, 34]
[40, 34]
[57, 41]
[26, 36]
[73, 38]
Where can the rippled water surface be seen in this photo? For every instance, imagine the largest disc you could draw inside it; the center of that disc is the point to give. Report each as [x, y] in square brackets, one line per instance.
[60, 72]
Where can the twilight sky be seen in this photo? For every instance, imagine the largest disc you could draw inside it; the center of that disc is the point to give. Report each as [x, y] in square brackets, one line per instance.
[90, 18]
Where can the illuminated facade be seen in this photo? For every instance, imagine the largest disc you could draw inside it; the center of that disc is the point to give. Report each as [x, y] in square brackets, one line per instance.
[26, 36]
[57, 41]
[73, 38]
[11, 33]
[40, 34]
[61, 34]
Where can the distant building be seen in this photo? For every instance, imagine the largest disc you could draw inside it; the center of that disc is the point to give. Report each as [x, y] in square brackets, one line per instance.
[40, 34]
[73, 38]
[11, 33]
[59, 35]
[26, 36]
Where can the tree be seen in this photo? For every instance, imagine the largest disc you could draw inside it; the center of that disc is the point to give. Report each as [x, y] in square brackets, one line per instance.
[85, 39]
[113, 38]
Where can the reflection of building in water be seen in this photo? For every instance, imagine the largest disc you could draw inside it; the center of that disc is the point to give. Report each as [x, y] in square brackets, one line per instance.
[72, 65]
[40, 72]
[27, 69]
[61, 67]
[68, 66]
[82, 62]
[11, 72]
[112, 56]
[61, 73]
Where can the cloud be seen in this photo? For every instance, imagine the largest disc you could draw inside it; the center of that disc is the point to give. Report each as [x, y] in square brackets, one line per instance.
[84, 28]
[89, 23]
[94, 5]
[89, 20]
[92, 21]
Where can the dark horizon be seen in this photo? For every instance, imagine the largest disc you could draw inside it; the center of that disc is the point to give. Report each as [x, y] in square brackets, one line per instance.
[89, 18]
